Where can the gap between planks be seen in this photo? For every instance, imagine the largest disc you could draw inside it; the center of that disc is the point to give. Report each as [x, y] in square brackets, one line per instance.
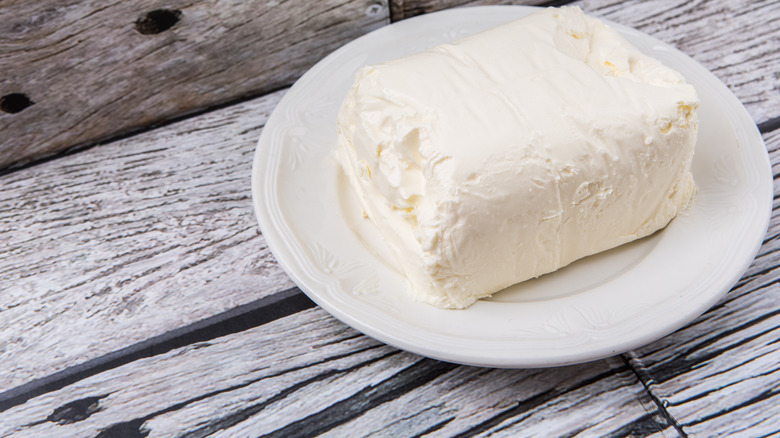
[768, 124]
[235, 320]
[308, 374]
[153, 238]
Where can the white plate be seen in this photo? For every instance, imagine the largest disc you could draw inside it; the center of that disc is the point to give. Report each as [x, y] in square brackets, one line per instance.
[599, 306]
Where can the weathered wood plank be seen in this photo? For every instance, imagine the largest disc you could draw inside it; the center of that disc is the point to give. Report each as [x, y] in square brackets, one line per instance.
[739, 41]
[403, 9]
[125, 241]
[155, 229]
[92, 74]
[308, 374]
[720, 376]
[598, 399]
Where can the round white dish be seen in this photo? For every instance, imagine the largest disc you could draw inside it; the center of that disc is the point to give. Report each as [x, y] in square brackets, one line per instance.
[599, 306]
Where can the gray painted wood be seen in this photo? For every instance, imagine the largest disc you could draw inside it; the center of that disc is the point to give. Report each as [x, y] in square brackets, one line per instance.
[403, 9]
[138, 237]
[308, 374]
[720, 376]
[602, 398]
[129, 240]
[92, 75]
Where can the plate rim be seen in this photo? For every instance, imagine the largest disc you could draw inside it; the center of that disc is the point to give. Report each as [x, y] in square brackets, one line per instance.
[277, 243]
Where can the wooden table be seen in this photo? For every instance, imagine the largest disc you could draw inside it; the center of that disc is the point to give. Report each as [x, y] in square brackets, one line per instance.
[138, 296]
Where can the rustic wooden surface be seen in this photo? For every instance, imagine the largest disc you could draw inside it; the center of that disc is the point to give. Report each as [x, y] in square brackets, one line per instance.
[403, 9]
[139, 298]
[93, 75]
[720, 376]
[137, 237]
[307, 374]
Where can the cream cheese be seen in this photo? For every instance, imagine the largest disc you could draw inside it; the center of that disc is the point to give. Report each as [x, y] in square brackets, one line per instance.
[514, 152]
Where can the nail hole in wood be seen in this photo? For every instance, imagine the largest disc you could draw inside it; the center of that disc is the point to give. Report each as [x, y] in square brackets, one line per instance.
[157, 21]
[14, 103]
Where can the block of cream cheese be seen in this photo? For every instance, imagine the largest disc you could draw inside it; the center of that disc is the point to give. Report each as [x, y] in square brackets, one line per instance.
[514, 152]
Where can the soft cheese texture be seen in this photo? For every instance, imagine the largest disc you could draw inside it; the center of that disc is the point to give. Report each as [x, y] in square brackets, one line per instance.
[509, 154]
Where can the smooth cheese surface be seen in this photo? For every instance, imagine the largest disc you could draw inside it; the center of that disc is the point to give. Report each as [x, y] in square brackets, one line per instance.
[514, 152]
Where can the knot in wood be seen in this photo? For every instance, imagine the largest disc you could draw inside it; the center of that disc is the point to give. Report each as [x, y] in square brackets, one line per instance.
[157, 21]
[14, 103]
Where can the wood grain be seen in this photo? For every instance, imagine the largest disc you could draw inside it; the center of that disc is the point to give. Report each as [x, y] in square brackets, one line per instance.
[720, 376]
[308, 374]
[403, 9]
[602, 398]
[130, 240]
[92, 75]
[142, 236]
